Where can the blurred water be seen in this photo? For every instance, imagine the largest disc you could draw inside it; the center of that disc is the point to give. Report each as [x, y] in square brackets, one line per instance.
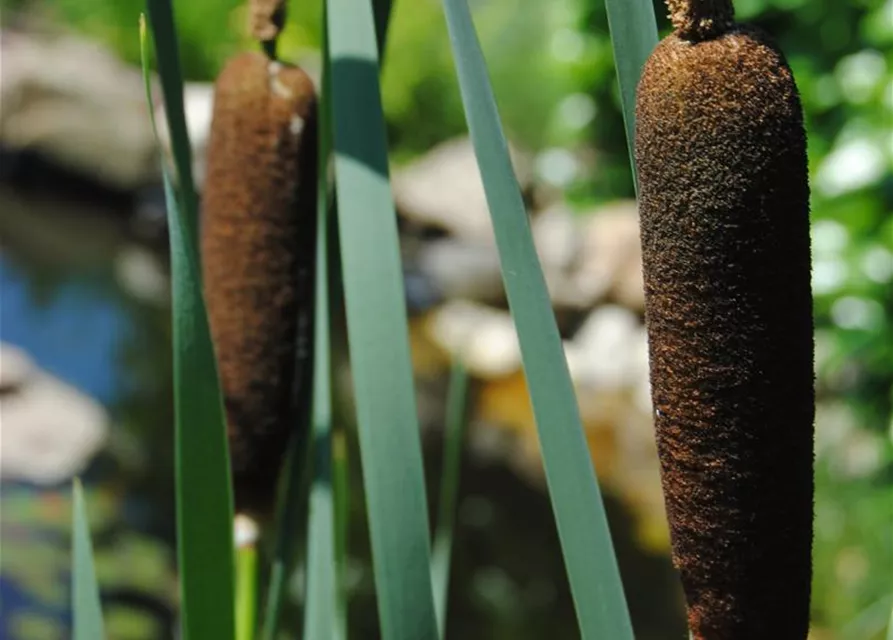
[73, 334]
[63, 304]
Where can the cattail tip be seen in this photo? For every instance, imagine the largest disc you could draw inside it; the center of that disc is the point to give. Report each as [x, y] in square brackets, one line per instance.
[701, 19]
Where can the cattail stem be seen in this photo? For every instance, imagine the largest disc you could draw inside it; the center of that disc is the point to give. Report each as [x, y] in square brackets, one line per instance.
[701, 19]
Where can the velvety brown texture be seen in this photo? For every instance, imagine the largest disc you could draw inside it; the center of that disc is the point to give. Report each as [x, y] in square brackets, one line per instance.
[699, 19]
[721, 160]
[265, 19]
[258, 239]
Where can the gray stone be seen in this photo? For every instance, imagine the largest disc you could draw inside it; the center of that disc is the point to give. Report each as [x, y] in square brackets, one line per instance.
[557, 237]
[198, 107]
[49, 431]
[76, 104]
[483, 337]
[142, 275]
[16, 368]
[459, 269]
[611, 257]
[444, 189]
[556, 233]
[609, 351]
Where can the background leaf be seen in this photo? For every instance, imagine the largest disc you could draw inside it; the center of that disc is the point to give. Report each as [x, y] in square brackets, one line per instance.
[633, 36]
[85, 603]
[576, 499]
[377, 330]
[167, 52]
[442, 551]
[203, 487]
[320, 616]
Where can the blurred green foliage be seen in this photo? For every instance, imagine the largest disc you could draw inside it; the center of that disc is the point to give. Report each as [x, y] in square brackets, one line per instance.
[136, 571]
[553, 74]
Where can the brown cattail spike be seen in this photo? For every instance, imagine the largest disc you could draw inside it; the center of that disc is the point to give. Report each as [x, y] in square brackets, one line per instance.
[724, 206]
[258, 239]
[266, 19]
[701, 19]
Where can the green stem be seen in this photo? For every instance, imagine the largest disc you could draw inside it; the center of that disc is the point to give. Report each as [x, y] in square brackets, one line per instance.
[246, 591]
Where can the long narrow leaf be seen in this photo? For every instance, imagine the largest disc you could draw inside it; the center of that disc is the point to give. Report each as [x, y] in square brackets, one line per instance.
[576, 498]
[294, 494]
[633, 35]
[204, 494]
[320, 614]
[203, 488]
[890, 626]
[442, 553]
[341, 486]
[85, 602]
[382, 12]
[274, 599]
[320, 618]
[167, 52]
[377, 330]
[292, 516]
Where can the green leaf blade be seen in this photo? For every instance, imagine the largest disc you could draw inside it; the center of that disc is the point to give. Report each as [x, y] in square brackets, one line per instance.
[167, 51]
[341, 488]
[204, 499]
[442, 552]
[576, 499]
[320, 617]
[85, 602]
[633, 35]
[890, 626]
[204, 494]
[377, 329]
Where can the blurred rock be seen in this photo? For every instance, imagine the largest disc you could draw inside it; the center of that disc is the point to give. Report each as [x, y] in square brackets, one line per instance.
[16, 369]
[619, 436]
[610, 350]
[585, 260]
[73, 102]
[557, 238]
[142, 275]
[198, 106]
[556, 233]
[50, 430]
[482, 336]
[57, 233]
[420, 290]
[444, 189]
[608, 363]
[611, 258]
[459, 269]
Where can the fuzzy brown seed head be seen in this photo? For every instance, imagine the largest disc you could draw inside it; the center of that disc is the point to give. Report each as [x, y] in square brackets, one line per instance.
[265, 19]
[257, 241]
[701, 19]
[723, 197]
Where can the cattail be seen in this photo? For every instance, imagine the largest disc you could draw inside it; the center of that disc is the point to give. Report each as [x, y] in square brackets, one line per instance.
[257, 241]
[266, 19]
[724, 205]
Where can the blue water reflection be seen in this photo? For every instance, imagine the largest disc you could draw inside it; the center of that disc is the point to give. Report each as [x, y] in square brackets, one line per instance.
[73, 334]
